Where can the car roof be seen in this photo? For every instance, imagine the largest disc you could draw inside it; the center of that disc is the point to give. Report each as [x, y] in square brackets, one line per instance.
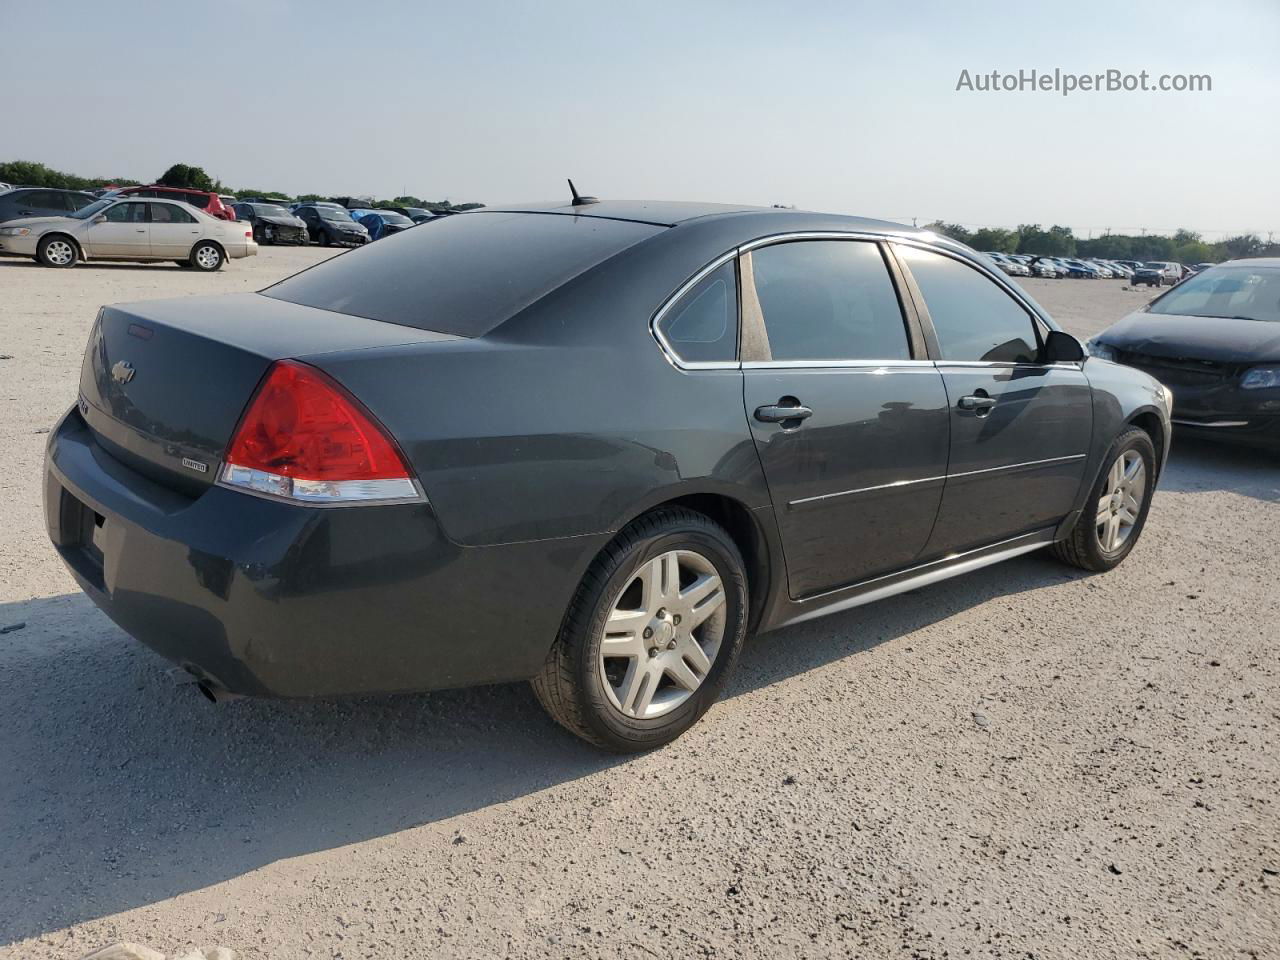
[672, 213]
[1251, 262]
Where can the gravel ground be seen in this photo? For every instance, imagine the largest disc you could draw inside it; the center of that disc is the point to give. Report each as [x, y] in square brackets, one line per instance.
[1022, 762]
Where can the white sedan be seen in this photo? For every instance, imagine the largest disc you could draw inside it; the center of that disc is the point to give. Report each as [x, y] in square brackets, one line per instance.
[130, 229]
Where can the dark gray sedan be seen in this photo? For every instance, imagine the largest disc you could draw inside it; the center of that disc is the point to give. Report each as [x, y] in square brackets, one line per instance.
[590, 445]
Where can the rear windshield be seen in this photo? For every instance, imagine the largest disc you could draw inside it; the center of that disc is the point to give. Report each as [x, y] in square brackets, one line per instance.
[463, 275]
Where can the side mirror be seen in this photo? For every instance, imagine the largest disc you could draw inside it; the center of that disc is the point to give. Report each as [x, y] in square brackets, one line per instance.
[1060, 347]
[99, 219]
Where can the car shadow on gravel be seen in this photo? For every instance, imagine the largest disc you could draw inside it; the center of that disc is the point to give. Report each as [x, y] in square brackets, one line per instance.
[1196, 466]
[25, 262]
[122, 787]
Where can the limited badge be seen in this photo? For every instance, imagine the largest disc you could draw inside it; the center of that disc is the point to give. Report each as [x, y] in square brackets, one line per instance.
[195, 465]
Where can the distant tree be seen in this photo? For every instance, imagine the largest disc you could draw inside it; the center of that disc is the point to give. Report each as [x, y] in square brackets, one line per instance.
[29, 174]
[995, 238]
[309, 197]
[1244, 245]
[269, 194]
[192, 178]
[952, 230]
[1055, 242]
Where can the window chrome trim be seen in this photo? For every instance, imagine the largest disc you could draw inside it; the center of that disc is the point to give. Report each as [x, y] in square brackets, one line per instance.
[672, 355]
[818, 364]
[946, 476]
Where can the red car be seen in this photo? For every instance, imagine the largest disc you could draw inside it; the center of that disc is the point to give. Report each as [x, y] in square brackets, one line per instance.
[210, 203]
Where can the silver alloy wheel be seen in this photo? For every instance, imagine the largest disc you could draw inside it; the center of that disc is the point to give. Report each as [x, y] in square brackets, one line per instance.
[662, 635]
[60, 252]
[208, 256]
[1121, 504]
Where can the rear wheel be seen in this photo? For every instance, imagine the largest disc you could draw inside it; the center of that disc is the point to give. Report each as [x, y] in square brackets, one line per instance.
[1116, 510]
[207, 256]
[57, 251]
[651, 635]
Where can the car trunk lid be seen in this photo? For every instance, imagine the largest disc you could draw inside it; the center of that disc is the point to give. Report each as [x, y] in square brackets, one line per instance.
[163, 383]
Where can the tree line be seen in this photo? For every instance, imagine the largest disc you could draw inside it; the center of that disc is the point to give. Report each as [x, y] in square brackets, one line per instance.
[1183, 246]
[29, 174]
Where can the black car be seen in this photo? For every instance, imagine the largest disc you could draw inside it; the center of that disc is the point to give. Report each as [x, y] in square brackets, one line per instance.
[416, 214]
[1215, 341]
[588, 445]
[41, 202]
[329, 225]
[272, 223]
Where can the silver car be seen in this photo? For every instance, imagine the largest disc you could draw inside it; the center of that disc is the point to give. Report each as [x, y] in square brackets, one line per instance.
[127, 228]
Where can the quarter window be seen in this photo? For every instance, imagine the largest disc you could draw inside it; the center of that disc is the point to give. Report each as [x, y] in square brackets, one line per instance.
[829, 300]
[703, 326]
[974, 318]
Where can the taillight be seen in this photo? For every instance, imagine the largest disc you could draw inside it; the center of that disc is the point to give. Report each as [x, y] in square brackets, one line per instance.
[304, 438]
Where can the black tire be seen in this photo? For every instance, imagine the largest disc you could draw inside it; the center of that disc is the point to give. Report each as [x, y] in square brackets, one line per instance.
[570, 687]
[324, 239]
[207, 257]
[58, 256]
[1083, 547]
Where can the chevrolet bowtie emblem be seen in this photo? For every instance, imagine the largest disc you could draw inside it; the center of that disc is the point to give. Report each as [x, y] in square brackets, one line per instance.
[122, 372]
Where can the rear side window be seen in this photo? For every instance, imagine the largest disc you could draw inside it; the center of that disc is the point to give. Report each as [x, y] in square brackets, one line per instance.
[703, 326]
[975, 319]
[463, 275]
[168, 213]
[829, 300]
[43, 200]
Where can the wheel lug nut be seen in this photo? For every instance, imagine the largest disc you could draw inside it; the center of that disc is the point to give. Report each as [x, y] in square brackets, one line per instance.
[671, 645]
[653, 651]
[662, 612]
[648, 632]
[676, 619]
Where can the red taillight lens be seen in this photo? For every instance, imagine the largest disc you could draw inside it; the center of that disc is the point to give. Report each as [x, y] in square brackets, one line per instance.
[304, 437]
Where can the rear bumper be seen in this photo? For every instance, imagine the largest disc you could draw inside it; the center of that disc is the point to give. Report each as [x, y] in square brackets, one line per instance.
[261, 597]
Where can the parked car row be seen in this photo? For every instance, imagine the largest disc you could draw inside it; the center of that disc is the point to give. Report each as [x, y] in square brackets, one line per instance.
[1158, 273]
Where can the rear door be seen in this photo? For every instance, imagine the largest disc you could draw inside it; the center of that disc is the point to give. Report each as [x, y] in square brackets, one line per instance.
[1020, 428]
[849, 417]
[41, 203]
[174, 231]
[123, 232]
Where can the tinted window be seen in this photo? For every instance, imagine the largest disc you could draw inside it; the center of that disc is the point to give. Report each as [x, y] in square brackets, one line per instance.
[42, 200]
[81, 200]
[127, 213]
[974, 318]
[829, 300]
[168, 213]
[703, 325]
[466, 274]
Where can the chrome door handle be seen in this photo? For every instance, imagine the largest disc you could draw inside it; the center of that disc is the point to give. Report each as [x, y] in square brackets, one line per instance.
[786, 410]
[980, 404]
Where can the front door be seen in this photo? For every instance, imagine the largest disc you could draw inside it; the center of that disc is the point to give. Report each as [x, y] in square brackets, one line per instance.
[1020, 428]
[850, 424]
[123, 232]
[174, 231]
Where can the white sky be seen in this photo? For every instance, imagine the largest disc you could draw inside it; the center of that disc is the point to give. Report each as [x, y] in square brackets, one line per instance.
[842, 106]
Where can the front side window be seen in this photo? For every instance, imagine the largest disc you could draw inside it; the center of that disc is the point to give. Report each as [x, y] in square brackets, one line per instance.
[127, 213]
[974, 318]
[829, 300]
[703, 326]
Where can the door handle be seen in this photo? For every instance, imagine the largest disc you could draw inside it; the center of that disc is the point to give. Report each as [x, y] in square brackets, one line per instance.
[787, 409]
[980, 404]
[141, 230]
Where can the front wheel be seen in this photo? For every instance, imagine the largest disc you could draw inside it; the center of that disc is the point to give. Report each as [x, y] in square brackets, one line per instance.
[207, 256]
[1116, 510]
[651, 635]
[57, 251]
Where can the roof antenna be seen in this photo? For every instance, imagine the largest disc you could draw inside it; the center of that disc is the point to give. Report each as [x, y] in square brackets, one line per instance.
[578, 199]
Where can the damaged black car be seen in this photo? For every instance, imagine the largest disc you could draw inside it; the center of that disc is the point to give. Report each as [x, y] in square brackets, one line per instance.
[1214, 340]
[272, 223]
